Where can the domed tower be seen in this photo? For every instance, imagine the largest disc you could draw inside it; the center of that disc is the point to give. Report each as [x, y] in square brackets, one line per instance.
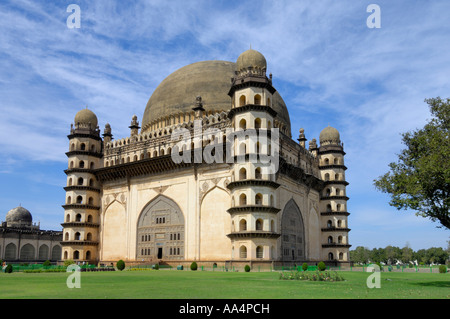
[253, 188]
[333, 202]
[81, 216]
[19, 217]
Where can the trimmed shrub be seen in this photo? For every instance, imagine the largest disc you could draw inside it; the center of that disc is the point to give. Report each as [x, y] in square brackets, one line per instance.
[120, 265]
[156, 267]
[68, 262]
[194, 266]
[442, 269]
[9, 269]
[321, 266]
[305, 266]
[47, 263]
[247, 268]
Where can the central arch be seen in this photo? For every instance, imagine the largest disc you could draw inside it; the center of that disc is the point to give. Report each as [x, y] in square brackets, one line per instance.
[292, 233]
[160, 231]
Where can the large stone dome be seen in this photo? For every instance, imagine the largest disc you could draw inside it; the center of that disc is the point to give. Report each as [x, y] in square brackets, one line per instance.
[18, 216]
[209, 79]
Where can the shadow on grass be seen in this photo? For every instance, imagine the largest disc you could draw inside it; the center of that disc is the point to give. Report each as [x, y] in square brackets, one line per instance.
[443, 284]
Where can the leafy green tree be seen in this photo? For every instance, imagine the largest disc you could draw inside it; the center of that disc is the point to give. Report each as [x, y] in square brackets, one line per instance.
[421, 256]
[437, 255]
[421, 177]
[407, 254]
[377, 255]
[393, 254]
[360, 255]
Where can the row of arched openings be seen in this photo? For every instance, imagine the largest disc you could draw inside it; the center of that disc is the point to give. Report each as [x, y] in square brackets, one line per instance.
[78, 218]
[80, 182]
[79, 200]
[28, 252]
[243, 254]
[76, 255]
[331, 256]
[257, 100]
[258, 200]
[257, 124]
[77, 236]
[259, 225]
[82, 164]
[82, 147]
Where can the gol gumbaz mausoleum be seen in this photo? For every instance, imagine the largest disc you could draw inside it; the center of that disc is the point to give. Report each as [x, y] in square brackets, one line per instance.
[130, 199]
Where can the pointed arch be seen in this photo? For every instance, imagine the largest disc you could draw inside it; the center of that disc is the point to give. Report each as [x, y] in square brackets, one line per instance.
[160, 211]
[292, 232]
[114, 232]
[215, 224]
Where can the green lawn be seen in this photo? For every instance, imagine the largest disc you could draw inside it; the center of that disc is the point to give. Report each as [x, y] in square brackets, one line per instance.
[173, 284]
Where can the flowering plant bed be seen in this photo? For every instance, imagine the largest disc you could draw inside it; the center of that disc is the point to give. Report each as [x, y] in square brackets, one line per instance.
[312, 276]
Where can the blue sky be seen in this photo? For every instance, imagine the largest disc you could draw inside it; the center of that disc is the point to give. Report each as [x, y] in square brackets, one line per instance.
[329, 67]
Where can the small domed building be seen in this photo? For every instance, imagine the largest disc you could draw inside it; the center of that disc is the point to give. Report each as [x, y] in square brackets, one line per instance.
[211, 174]
[23, 241]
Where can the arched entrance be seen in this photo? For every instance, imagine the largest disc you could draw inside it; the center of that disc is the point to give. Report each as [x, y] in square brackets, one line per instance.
[160, 231]
[292, 233]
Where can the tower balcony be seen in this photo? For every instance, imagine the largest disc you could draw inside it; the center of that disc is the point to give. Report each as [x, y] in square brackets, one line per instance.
[79, 243]
[336, 245]
[334, 213]
[80, 224]
[334, 197]
[81, 188]
[333, 166]
[333, 228]
[253, 209]
[248, 234]
[80, 206]
[253, 182]
[251, 107]
[79, 170]
[336, 182]
[84, 152]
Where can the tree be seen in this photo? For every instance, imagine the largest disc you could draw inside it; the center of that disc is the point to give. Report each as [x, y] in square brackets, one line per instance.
[393, 254]
[360, 255]
[407, 254]
[420, 180]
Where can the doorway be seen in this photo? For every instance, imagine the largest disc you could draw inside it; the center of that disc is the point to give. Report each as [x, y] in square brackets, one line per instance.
[160, 252]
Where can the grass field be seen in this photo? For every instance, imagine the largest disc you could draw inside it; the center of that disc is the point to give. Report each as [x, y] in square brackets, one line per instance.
[172, 284]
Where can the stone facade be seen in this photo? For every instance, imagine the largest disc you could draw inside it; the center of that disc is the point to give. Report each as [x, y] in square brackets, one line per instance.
[132, 199]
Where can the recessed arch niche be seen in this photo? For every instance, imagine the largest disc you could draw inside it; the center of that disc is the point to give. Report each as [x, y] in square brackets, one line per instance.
[161, 230]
